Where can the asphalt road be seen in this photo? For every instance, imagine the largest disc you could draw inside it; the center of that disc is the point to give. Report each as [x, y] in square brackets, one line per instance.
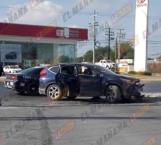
[152, 87]
[27, 120]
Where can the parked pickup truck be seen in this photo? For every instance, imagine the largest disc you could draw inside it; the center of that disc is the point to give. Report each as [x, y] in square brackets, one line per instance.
[109, 64]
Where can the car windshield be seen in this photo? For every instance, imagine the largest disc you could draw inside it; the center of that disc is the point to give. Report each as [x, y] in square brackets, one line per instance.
[105, 70]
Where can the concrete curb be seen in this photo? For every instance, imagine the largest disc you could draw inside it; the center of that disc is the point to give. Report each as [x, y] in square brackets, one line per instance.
[152, 95]
[148, 78]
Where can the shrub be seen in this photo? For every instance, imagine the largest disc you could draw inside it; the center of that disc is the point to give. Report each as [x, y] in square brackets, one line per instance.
[132, 73]
[146, 73]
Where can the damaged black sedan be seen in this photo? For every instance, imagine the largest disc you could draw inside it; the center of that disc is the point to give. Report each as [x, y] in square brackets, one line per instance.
[72, 80]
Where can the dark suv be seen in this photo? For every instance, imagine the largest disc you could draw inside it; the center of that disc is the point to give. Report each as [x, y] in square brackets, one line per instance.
[72, 80]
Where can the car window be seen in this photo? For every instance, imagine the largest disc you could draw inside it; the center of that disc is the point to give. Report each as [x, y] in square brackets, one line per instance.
[55, 69]
[68, 70]
[31, 71]
[102, 69]
[84, 70]
[6, 67]
[95, 72]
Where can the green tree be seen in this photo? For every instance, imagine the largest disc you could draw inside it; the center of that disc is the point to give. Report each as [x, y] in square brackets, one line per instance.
[88, 56]
[80, 59]
[100, 53]
[64, 59]
[126, 51]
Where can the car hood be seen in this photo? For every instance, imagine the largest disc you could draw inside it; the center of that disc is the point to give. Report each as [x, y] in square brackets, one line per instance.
[129, 78]
[114, 76]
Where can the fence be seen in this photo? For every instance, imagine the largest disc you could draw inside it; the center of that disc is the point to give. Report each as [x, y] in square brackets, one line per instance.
[154, 67]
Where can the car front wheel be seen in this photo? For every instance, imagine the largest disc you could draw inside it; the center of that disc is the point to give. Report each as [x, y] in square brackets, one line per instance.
[54, 92]
[113, 94]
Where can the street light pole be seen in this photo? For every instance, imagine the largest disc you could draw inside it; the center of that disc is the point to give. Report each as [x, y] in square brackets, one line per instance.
[110, 34]
[94, 37]
[94, 27]
[109, 43]
[120, 36]
[116, 50]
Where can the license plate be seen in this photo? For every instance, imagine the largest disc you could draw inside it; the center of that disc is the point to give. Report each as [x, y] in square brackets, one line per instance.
[11, 83]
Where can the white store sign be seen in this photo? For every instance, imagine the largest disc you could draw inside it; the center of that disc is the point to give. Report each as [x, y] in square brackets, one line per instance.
[141, 31]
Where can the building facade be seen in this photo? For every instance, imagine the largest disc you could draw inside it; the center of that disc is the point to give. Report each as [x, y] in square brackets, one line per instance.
[30, 45]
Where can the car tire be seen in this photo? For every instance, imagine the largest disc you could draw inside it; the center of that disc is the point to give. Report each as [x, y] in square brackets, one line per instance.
[32, 90]
[54, 92]
[113, 93]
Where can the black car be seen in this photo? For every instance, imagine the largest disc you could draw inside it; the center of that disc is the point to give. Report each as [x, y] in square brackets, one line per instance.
[72, 80]
[28, 81]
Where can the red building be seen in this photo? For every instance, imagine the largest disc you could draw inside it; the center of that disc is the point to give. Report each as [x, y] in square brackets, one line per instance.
[30, 44]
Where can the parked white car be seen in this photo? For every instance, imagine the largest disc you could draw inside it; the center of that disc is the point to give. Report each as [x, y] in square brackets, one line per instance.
[109, 64]
[11, 69]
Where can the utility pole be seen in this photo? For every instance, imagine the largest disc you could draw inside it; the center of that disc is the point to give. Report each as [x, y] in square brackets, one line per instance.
[94, 25]
[116, 50]
[116, 54]
[109, 43]
[120, 36]
[110, 35]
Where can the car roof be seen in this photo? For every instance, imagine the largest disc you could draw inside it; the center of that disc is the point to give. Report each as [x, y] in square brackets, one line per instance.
[70, 64]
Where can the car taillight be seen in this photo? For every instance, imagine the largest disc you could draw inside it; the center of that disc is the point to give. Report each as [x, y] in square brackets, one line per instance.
[12, 77]
[43, 73]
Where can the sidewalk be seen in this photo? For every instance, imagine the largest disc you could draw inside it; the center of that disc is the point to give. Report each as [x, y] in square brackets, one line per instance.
[154, 77]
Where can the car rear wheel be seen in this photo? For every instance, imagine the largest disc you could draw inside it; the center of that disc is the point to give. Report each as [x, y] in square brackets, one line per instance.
[113, 93]
[54, 92]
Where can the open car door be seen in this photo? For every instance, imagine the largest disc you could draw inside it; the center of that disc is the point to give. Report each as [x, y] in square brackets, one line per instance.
[89, 82]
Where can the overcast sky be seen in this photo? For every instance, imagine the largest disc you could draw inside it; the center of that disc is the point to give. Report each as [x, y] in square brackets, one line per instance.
[47, 11]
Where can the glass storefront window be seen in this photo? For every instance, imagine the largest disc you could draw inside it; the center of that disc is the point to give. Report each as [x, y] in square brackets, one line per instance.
[37, 54]
[32, 54]
[64, 53]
